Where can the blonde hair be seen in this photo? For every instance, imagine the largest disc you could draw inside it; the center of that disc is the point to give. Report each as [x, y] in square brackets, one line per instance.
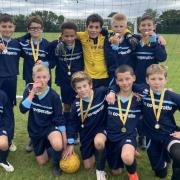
[157, 69]
[78, 77]
[39, 68]
[118, 17]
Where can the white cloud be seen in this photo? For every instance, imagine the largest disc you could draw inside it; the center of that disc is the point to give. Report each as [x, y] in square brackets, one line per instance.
[82, 8]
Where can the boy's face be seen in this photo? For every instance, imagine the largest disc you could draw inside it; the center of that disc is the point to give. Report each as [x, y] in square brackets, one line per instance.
[69, 36]
[35, 30]
[146, 26]
[125, 81]
[93, 29]
[83, 89]
[119, 27]
[7, 29]
[156, 82]
[42, 77]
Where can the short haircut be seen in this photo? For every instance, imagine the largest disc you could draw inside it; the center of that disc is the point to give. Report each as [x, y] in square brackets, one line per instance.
[68, 25]
[146, 17]
[94, 18]
[39, 68]
[6, 18]
[118, 17]
[157, 69]
[78, 77]
[123, 69]
[35, 19]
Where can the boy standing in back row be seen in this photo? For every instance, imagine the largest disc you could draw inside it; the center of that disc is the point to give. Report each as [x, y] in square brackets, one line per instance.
[9, 60]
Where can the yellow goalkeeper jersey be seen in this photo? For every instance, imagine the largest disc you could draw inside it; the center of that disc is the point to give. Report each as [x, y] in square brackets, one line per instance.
[94, 59]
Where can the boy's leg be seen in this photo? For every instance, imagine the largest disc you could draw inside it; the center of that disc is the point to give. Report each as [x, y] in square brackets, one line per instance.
[9, 86]
[4, 151]
[99, 143]
[113, 157]
[55, 139]
[127, 155]
[174, 150]
[156, 155]
[89, 163]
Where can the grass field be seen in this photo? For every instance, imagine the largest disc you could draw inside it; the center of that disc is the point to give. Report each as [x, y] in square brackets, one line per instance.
[25, 164]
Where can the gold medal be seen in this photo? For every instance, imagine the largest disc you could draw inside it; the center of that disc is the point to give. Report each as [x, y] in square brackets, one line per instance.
[158, 113]
[82, 125]
[123, 129]
[84, 115]
[123, 118]
[157, 126]
[35, 52]
[69, 65]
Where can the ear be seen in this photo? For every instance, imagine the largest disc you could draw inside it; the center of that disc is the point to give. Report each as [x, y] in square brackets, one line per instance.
[134, 78]
[147, 80]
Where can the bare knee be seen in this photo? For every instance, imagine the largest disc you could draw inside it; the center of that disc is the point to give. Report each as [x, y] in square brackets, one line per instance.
[127, 158]
[4, 144]
[57, 146]
[99, 142]
[116, 172]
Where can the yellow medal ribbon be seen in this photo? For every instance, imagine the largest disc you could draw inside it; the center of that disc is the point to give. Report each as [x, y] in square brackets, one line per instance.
[124, 118]
[158, 113]
[35, 52]
[69, 65]
[83, 116]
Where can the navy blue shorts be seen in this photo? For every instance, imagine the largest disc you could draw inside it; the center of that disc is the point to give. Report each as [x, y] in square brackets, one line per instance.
[87, 146]
[100, 82]
[68, 95]
[41, 143]
[114, 151]
[9, 86]
[157, 152]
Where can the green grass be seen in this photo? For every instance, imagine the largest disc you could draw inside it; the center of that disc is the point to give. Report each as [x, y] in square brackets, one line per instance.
[25, 165]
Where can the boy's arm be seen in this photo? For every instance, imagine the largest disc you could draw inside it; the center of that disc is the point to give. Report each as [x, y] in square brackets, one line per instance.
[51, 54]
[175, 98]
[160, 53]
[110, 58]
[25, 103]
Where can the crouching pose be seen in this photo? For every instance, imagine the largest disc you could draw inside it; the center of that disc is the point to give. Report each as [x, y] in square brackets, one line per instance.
[88, 118]
[46, 126]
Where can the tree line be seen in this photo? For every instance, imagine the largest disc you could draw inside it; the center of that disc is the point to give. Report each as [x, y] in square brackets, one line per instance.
[167, 23]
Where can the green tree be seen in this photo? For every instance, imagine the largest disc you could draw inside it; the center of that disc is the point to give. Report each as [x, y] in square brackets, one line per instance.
[169, 22]
[51, 20]
[20, 21]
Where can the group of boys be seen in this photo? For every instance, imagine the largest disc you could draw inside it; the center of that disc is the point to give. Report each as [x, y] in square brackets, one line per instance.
[93, 65]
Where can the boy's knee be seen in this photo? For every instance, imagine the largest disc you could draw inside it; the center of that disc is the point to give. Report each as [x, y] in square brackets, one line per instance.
[116, 172]
[4, 145]
[99, 144]
[57, 146]
[127, 158]
[41, 161]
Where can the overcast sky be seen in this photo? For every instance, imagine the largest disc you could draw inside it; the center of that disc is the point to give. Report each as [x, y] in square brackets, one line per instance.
[82, 8]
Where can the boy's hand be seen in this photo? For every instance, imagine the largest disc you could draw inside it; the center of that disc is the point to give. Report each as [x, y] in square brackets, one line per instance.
[38, 62]
[36, 85]
[2, 46]
[161, 41]
[115, 39]
[110, 98]
[176, 134]
[133, 42]
[68, 151]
